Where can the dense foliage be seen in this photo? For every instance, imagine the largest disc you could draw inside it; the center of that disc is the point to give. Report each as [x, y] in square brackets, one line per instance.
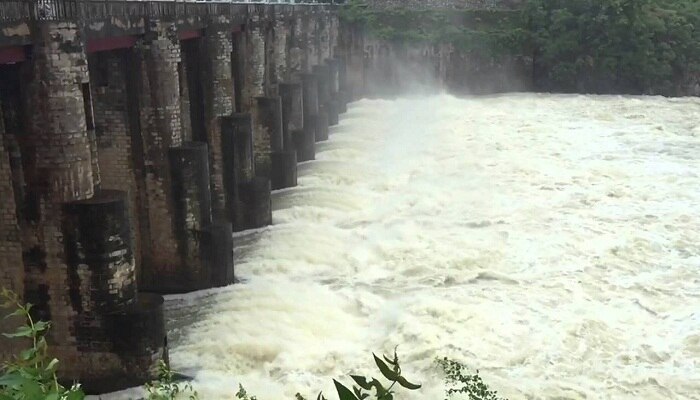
[459, 381]
[630, 46]
[364, 388]
[600, 46]
[32, 374]
[372, 387]
[165, 386]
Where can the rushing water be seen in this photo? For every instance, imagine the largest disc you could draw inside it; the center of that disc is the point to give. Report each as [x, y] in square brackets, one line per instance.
[553, 242]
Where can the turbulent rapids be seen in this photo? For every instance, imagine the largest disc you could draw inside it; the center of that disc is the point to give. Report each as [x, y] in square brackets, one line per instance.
[549, 241]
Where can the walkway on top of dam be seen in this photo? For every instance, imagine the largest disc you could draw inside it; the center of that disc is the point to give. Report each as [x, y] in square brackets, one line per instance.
[110, 19]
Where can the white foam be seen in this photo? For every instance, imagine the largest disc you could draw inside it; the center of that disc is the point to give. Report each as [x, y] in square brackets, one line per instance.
[550, 241]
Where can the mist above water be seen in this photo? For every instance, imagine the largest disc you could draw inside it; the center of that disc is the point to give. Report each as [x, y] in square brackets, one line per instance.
[549, 241]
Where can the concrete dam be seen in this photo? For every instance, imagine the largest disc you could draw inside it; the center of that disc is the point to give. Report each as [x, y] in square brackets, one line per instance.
[266, 194]
[136, 137]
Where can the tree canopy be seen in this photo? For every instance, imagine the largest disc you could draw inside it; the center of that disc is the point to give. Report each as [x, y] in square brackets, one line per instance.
[631, 46]
[598, 46]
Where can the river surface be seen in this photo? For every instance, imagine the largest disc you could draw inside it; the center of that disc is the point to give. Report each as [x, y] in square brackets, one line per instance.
[551, 241]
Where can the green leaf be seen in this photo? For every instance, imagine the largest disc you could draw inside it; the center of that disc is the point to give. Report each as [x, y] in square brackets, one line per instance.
[17, 313]
[41, 326]
[381, 390]
[357, 391]
[75, 394]
[343, 392]
[28, 354]
[393, 362]
[54, 364]
[32, 390]
[12, 380]
[389, 360]
[361, 381]
[22, 331]
[41, 345]
[408, 385]
[385, 370]
[53, 396]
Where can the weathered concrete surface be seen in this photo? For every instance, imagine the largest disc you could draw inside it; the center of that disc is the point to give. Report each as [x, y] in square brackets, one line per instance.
[12, 272]
[267, 132]
[158, 98]
[292, 96]
[189, 166]
[113, 130]
[219, 102]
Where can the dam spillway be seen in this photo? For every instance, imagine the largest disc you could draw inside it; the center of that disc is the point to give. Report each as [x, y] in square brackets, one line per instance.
[542, 239]
[547, 240]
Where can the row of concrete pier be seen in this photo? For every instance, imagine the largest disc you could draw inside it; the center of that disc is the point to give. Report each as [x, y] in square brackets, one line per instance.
[135, 139]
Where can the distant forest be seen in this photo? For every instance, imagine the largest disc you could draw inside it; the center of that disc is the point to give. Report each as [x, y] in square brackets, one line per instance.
[598, 46]
[623, 45]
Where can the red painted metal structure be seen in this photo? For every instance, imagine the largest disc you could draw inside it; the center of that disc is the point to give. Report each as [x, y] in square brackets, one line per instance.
[193, 34]
[12, 54]
[112, 43]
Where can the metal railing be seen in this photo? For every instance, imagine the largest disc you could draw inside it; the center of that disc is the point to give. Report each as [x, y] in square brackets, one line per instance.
[15, 9]
[56, 10]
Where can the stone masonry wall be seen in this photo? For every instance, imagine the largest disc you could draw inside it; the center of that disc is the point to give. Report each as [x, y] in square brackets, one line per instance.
[58, 166]
[99, 173]
[255, 84]
[185, 116]
[312, 41]
[11, 268]
[324, 38]
[218, 94]
[160, 129]
[109, 99]
[296, 60]
[254, 75]
[280, 44]
[58, 170]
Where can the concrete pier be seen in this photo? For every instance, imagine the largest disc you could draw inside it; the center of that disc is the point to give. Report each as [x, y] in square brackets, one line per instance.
[267, 132]
[106, 308]
[322, 123]
[255, 197]
[189, 165]
[310, 97]
[284, 169]
[216, 251]
[243, 192]
[292, 111]
[325, 110]
[218, 90]
[304, 141]
[344, 95]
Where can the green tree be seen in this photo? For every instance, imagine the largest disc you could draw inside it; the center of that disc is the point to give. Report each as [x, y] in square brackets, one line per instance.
[631, 46]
